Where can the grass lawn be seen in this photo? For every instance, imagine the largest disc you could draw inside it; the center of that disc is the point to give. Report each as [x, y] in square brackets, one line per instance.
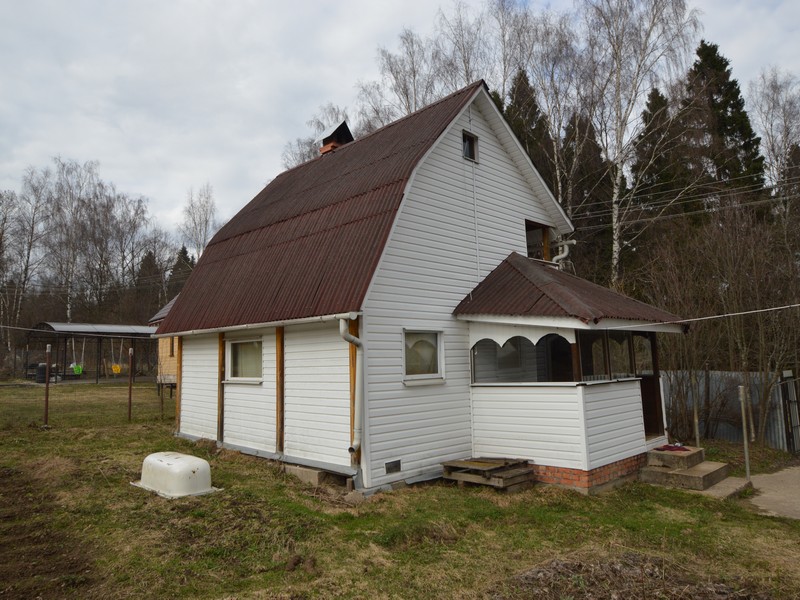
[71, 525]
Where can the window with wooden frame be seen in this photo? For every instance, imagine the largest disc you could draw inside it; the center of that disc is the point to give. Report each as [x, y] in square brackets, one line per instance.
[244, 360]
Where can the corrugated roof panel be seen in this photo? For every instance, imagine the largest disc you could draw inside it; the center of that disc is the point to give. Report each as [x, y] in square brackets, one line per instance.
[522, 286]
[309, 242]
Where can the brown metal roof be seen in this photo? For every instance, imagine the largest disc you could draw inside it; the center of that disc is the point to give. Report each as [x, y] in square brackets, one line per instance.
[162, 313]
[308, 243]
[522, 286]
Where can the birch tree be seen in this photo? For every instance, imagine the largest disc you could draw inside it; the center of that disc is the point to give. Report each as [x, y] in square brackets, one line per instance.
[199, 219]
[634, 44]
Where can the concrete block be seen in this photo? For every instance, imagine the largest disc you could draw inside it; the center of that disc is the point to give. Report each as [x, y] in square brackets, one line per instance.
[311, 476]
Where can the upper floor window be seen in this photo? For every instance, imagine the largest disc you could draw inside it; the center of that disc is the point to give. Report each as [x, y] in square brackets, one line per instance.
[537, 237]
[469, 146]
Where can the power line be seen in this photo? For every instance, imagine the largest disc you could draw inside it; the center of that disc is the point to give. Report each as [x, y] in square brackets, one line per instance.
[711, 317]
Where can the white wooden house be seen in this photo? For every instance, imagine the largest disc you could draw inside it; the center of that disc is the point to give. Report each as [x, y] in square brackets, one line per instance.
[374, 312]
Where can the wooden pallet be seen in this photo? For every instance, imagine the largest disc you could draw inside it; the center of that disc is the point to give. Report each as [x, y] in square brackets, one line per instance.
[507, 474]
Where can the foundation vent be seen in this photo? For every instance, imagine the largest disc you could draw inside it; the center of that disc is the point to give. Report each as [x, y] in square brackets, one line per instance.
[393, 467]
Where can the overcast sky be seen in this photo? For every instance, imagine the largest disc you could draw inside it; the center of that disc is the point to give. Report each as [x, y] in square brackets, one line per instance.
[170, 94]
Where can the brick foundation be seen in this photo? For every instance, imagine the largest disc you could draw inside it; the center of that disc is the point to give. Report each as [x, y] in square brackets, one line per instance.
[593, 481]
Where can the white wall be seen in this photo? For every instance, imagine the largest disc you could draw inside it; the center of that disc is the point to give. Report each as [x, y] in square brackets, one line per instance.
[199, 386]
[614, 421]
[458, 221]
[317, 393]
[250, 409]
[541, 423]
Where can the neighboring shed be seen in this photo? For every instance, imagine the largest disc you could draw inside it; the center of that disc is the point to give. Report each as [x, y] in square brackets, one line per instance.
[167, 375]
[82, 349]
[372, 313]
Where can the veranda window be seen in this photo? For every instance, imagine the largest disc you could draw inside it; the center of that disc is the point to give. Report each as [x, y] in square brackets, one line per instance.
[520, 360]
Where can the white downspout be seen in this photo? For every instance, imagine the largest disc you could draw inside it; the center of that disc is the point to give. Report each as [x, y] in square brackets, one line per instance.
[359, 399]
[564, 245]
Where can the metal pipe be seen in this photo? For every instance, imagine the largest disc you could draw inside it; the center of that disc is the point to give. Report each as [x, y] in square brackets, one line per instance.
[564, 245]
[359, 392]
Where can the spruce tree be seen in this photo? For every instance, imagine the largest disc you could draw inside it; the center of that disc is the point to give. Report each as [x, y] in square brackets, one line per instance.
[180, 272]
[529, 124]
[149, 288]
[722, 148]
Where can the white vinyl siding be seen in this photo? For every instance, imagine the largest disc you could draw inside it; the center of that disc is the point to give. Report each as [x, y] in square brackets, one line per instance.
[250, 409]
[317, 394]
[429, 264]
[614, 422]
[577, 426]
[199, 386]
[543, 424]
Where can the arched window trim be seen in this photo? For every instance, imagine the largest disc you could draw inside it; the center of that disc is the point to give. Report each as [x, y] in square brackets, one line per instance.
[488, 370]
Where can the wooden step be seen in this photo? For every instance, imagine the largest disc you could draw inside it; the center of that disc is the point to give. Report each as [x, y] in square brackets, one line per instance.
[500, 473]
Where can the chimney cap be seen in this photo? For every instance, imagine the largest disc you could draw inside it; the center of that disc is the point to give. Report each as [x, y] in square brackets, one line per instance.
[335, 136]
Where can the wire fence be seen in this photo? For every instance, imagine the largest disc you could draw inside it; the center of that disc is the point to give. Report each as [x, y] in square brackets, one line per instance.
[83, 405]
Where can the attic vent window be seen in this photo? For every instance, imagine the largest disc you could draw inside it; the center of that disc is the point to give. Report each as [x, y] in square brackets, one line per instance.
[469, 146]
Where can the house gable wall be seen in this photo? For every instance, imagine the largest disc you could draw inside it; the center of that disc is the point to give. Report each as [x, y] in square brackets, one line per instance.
[458, 221]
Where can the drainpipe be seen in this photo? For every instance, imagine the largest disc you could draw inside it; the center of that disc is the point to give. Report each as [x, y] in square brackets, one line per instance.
[359, 399]
[564, 245]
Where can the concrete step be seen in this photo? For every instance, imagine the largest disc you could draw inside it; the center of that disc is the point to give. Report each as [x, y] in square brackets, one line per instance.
[676, 459]
[697, 477]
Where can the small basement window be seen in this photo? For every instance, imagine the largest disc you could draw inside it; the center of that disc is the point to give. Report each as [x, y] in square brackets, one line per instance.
[469, 146]
[244, 359]
[422, 355]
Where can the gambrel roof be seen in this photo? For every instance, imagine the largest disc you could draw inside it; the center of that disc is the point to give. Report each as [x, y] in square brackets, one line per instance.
[309, 243]
[525, 287]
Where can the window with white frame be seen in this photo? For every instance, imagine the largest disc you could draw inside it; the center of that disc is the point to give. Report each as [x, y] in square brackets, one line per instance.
[422, 355]
[244, 359]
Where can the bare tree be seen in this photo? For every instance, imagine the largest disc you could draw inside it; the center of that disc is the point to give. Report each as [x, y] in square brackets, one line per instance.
[199, 219]
[633, 44]
[31, 222]
[410, 80]
[556, 66]
[462, 48]
[74, 185]
[504, 22]
[303, 149]
[8, 201]
[775, 101]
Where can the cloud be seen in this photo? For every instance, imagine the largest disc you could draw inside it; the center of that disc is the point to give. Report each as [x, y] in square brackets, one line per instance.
[170, 95]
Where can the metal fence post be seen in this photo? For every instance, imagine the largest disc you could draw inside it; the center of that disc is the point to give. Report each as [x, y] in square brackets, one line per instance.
[744, 432]
[47, 384]
[130, 381]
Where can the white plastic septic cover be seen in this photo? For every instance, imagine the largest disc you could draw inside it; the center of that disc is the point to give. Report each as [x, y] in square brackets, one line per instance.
[173, 475]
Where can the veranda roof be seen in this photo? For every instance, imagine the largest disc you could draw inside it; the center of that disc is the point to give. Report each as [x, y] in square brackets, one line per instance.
[522, 287]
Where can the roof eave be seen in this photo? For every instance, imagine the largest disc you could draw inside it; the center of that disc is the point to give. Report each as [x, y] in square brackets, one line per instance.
[254, 326]
[574, 323]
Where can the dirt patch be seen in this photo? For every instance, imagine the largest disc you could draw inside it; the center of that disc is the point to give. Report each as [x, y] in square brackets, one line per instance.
[630, 575]
[36, 559]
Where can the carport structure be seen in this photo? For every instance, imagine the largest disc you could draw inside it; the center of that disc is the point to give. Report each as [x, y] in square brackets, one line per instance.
[91, 343]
